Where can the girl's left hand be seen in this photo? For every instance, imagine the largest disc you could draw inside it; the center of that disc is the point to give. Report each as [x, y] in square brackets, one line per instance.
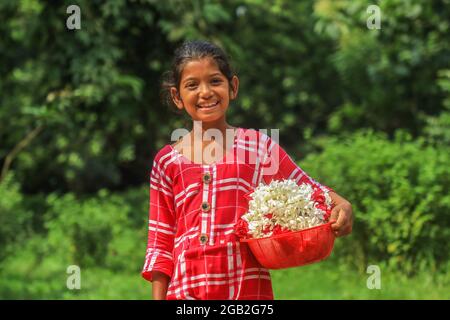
[342, 219]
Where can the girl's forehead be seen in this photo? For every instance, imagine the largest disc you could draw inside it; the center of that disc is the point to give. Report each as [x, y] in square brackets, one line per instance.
[200, 67]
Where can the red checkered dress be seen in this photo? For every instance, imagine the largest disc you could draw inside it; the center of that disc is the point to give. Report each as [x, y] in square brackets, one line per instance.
[193, 210]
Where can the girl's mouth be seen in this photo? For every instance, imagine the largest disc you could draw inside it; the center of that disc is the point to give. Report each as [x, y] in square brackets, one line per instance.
[208, 106]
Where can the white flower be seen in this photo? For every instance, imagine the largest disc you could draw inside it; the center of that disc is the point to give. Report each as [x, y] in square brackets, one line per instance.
[290, 205]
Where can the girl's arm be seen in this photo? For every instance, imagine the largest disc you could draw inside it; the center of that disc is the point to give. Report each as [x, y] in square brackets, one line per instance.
[161, 231]
[160, 284]
[342, 214]
[337, 199]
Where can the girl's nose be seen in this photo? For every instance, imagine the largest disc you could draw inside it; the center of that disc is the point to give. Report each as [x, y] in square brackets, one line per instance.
[205, 91]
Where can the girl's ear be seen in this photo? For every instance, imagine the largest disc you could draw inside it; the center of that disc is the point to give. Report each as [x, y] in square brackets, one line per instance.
[234, 87]
[176, 98]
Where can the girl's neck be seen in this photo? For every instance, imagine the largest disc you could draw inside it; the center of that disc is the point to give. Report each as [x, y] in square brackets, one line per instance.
[199, 128]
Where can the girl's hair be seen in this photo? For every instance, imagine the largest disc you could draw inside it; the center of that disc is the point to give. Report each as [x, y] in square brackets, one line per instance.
[188, 51]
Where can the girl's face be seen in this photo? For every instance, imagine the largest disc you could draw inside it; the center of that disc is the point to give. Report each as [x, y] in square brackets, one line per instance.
[204, 91]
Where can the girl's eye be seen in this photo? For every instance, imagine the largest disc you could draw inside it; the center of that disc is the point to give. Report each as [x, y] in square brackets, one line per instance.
[191, 86]
[216, 81]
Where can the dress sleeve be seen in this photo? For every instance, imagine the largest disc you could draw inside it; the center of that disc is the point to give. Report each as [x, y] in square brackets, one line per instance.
[161, 230]
[278, 165]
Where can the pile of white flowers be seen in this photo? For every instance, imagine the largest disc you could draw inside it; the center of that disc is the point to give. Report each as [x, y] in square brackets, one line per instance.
[284, 205]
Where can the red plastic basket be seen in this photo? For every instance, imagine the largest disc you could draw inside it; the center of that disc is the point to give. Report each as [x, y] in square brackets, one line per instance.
[293, 249]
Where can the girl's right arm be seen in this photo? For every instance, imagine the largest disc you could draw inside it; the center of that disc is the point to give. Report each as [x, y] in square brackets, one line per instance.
[159, 265]
[160, 284]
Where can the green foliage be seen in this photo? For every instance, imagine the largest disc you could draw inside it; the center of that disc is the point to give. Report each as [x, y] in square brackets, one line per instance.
[83, 88]
[15, 219]
[95, 233]
[308, 67]
[80, 121]
[333, 280]
[397, 189]
[387, 75]
[437, 129]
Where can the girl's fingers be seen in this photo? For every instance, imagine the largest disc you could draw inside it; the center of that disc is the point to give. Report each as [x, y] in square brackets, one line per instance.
[346, 230]
[334, 216]
[340, 220]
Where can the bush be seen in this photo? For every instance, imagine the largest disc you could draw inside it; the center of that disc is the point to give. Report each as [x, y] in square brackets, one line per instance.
[399, 191]
[15, 219]
[96, 233]
[93, 231]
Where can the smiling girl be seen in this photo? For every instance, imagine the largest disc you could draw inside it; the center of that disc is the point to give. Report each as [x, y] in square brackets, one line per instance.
[195, 201]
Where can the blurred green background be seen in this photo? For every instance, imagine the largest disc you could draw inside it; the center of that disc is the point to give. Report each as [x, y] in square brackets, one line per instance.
[364, 111]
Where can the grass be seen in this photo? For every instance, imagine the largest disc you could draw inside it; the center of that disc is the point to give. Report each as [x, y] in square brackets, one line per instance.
[330, 280]
[323, 281]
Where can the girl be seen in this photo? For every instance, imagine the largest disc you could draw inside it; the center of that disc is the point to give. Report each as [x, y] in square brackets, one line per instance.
[193, 252]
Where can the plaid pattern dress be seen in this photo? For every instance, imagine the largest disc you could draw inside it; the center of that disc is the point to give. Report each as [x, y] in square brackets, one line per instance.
[193, 210]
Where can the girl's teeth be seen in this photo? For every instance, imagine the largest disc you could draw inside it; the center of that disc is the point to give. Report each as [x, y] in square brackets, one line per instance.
[209, 106]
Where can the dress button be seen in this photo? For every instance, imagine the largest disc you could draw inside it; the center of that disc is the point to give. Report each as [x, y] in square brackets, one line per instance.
[206, 177]
[203, 238]
[205, 206]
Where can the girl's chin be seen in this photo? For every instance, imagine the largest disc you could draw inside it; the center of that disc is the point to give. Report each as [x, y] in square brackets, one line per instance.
[208, 117]
[208, 113]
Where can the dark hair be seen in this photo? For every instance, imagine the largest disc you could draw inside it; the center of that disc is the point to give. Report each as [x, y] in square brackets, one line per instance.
[188, 51]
